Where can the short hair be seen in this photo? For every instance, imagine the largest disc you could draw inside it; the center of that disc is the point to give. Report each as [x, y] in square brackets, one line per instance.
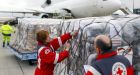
[105, 47]
[41, 36]
[6, 22]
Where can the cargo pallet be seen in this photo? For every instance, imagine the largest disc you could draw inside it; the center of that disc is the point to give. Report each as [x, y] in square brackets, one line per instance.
[31, 57]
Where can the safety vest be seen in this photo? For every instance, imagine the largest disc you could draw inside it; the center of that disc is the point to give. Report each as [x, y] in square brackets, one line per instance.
[6, 29]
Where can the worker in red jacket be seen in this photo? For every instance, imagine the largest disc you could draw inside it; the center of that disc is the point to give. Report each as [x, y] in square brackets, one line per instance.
[47, 57]
[107, 61]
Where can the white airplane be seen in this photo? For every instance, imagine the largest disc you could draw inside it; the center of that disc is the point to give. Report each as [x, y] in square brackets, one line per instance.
[83, 8]
[77, 8]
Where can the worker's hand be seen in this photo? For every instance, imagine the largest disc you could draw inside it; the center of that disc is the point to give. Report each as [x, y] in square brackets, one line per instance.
[67, 46]
[74, 33]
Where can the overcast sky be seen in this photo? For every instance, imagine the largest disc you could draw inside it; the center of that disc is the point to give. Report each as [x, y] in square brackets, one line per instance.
[129, 3]
[23, 3]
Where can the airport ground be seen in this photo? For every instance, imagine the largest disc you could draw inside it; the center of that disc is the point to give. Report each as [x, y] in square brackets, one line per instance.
[10, 65]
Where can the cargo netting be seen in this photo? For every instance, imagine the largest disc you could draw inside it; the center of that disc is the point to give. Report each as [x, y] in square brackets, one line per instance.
[124, 32]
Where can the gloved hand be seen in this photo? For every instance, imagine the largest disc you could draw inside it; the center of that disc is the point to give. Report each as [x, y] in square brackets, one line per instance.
[67, 46]
[74, 33]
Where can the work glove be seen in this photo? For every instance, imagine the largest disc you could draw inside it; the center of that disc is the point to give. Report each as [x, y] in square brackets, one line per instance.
[74, 33]
[67, 46]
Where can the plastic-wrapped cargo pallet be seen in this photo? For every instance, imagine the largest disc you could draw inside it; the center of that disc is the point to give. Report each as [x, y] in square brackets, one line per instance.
[25, 39]
[123, 30]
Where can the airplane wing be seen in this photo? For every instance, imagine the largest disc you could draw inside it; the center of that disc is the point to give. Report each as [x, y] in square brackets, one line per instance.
[24, 10]
[14, 13]
[35, 11]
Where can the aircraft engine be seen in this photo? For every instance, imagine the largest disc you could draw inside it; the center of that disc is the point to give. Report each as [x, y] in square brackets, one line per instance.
[46, 15]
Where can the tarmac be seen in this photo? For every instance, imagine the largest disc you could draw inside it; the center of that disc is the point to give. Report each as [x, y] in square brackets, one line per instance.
[11, 65]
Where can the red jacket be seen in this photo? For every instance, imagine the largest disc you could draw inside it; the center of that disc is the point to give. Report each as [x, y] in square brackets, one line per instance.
[47, 57]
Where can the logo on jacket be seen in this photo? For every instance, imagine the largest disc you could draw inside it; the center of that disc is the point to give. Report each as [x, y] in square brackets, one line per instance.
[47, 51]
[119, 69]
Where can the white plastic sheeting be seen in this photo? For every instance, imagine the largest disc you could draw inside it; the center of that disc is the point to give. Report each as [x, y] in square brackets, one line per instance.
[123, 30]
